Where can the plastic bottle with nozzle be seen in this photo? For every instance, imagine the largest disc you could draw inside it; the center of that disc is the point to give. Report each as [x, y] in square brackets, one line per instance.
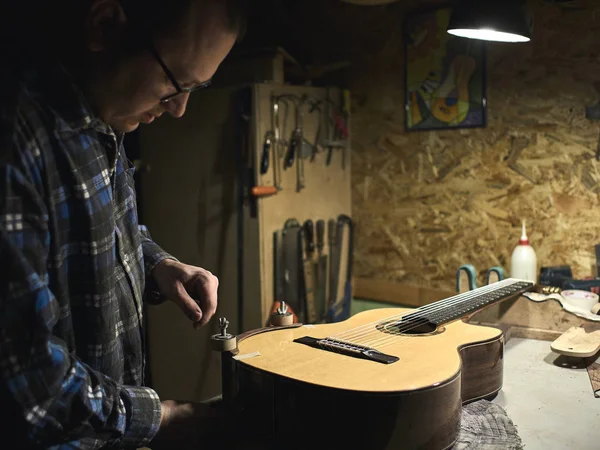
[524, 260]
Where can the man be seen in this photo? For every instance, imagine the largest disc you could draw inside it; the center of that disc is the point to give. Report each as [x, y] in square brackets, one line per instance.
[75, 264]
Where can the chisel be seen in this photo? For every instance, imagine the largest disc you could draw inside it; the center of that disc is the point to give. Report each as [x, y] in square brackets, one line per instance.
[341, 310]
[321, 295]
[334, 262]
[309, 272]
[264, 157]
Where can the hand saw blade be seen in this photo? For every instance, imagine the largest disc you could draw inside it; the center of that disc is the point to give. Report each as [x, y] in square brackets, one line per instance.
[292, 264]
[321, 278]
[334, 261]
[308, 275]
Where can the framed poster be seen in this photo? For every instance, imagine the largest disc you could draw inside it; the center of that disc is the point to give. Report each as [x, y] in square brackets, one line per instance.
[445, 75]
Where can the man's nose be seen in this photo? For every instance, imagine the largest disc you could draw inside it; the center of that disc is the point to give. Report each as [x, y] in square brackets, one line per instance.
[176, 107]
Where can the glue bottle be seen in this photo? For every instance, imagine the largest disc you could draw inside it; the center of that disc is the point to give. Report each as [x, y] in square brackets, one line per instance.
[524, 260]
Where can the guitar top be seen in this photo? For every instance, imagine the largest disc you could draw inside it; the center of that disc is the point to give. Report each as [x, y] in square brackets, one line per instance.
[381, 350]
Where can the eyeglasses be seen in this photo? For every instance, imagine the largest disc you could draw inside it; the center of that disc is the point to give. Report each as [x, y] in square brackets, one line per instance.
[178, 88]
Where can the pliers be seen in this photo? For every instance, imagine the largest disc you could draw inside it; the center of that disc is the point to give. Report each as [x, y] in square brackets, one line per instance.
[493, 275]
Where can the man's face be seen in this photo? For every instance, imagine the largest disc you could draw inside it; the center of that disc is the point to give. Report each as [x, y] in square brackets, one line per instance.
[130, 92]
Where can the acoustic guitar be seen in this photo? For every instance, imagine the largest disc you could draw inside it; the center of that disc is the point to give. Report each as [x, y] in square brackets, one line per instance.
[389, 378]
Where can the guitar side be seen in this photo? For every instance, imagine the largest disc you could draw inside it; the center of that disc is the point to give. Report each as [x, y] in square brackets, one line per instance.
[296, 394]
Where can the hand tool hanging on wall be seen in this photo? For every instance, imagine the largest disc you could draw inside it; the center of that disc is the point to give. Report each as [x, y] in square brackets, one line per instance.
[295, 154]
[290, 156]
[340, 310]
[315, 106]
[303, 151]
[266, 153]
[262, 190]
[306, 148]
[292, 264]
[309, 272]
[285, 147]
[337, 131]
[280, 109]
[321, 291]
[275, 109]
[334, 261]
[248, 188]
[329, 142]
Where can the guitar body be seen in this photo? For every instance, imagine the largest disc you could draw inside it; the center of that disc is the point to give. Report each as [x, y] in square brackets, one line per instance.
[295, 396]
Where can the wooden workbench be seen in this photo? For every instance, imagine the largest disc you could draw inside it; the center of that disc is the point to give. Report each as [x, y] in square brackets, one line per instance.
[550, 401]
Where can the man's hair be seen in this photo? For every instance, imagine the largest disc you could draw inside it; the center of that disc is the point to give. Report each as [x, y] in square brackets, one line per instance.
[57, 26]
[163, 15]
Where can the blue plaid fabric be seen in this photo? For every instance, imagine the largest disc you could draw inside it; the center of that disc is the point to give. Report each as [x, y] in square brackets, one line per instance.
[73, 267]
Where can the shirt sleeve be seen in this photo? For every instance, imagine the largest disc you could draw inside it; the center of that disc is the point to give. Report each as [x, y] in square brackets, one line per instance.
[57, 397]
[153, 255]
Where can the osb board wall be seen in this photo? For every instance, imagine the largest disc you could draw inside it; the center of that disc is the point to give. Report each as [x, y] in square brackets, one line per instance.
[427, 202]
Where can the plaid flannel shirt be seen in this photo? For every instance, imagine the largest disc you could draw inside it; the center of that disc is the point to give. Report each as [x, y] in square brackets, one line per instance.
[73, 263]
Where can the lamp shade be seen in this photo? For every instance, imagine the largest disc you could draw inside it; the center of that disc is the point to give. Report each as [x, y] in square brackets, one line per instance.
[491, 20]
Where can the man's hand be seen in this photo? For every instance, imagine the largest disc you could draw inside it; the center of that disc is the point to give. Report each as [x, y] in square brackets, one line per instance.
[193, 289]
[186, 425]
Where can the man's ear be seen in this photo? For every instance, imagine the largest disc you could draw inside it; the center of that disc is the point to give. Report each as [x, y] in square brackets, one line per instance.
[105, 25]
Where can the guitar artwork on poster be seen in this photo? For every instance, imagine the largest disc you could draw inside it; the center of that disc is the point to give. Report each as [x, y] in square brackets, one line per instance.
[389, 378]
[444, 76]
[451, 101]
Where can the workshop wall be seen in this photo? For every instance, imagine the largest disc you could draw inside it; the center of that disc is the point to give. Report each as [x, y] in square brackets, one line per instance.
[426, 202]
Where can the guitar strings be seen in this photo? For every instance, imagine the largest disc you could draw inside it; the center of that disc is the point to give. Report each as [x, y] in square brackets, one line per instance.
[376, 337]
[418, 317]
[418, 313]
[381, 341]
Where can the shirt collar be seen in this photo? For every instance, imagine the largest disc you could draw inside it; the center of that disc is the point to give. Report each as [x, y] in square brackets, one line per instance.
[72, 112]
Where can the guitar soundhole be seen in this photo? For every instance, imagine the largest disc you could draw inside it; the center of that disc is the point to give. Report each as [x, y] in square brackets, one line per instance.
[410, 328]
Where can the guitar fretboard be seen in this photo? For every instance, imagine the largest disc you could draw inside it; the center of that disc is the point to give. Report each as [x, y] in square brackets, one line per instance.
[459, 306]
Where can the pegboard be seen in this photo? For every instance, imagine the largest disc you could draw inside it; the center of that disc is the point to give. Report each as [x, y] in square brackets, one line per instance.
[314, 190]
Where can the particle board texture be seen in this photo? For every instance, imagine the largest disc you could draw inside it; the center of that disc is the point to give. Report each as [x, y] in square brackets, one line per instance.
[427, 202]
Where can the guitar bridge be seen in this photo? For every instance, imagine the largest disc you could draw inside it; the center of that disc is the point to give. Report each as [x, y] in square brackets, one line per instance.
[348, 349]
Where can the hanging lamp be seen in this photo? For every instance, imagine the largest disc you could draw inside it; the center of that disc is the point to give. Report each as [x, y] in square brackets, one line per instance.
[491, 20]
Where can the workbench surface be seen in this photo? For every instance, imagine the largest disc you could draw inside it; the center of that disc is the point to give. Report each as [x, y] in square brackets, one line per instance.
[552, 406]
